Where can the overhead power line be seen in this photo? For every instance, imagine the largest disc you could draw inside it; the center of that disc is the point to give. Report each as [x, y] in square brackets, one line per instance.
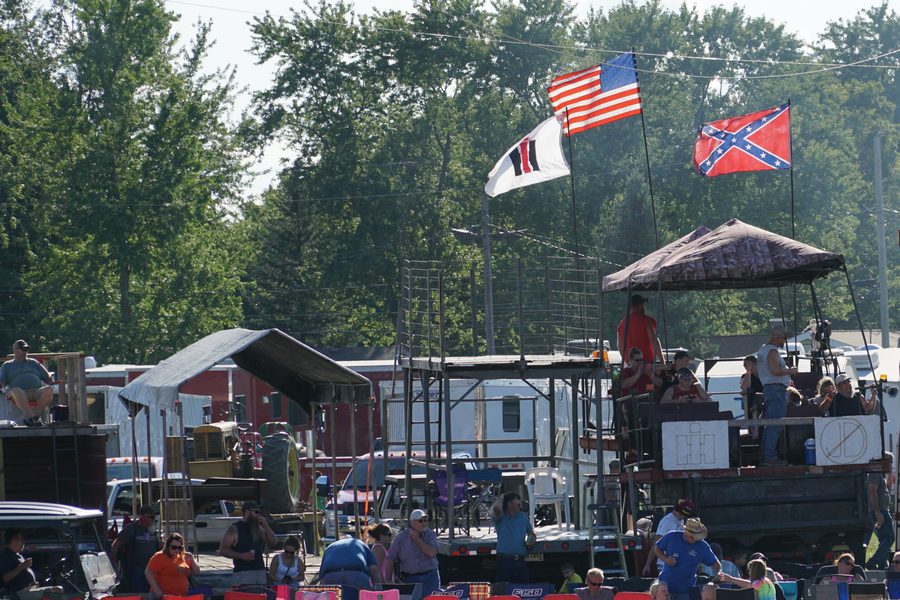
[818, 67]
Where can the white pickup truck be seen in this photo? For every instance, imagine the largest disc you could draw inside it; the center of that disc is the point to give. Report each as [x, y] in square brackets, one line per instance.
[211, 520]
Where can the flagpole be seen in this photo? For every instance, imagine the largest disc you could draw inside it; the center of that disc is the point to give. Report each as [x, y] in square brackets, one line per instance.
[660, 304]
[793, 219]
[647, 158]
[572, 188]
[791, 149]
[581, 308]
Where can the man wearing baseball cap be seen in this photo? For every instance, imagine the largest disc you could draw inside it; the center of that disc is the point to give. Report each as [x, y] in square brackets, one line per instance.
[845, 402]
[641, 332]
[415, 550]
[135, 546]
[674, 521]
[681, 553]
[27, 384]
[245, 542]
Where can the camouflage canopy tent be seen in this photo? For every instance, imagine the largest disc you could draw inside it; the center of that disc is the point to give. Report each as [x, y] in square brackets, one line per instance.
[733, 256]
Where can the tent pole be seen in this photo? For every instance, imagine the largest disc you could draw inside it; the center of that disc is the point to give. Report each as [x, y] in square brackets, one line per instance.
[868, 354]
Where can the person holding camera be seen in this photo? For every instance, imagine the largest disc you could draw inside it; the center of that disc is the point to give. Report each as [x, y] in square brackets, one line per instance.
[287, 568]
[844, 402]
[669, 375]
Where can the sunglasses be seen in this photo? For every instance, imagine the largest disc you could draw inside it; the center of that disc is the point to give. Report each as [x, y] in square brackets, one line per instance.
[896, 562]
[291, 552]
[421, 520]
[594, 583]
[172, 547]
[848, 563]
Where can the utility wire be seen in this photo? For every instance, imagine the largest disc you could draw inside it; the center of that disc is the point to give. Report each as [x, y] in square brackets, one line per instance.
[560, 49]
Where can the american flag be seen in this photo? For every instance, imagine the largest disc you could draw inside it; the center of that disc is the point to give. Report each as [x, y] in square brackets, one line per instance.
[598, 95]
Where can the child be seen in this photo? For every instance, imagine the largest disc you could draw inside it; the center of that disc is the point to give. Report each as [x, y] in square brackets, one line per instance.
[765, 587]
[569, 576]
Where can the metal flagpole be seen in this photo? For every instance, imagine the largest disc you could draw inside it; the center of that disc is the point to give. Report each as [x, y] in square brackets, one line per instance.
[795, 326]
[580, 304]
[661, 303]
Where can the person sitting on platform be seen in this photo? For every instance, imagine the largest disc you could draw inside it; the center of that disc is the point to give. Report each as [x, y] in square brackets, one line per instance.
[688, 389]
[669, 376]
[845, 402]
[751, 386]
[824, 391]
[638, 377]
[795, 397]
[27, 384]
[595, 589]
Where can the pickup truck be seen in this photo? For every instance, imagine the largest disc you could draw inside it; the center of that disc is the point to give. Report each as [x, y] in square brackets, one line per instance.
[211, 519]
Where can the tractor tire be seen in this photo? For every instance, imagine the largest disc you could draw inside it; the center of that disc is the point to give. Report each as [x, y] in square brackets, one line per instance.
[280, 469]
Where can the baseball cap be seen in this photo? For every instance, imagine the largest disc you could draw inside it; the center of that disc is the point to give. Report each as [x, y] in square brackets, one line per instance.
[637, 299]
[417, 514]
[250, 505]
[21, 345]
[685, 507]
[147, 510]
[685, 373]
[841, 378]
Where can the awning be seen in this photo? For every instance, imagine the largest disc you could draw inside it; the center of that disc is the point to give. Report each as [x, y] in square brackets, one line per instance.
[733, 256]
[291, 367]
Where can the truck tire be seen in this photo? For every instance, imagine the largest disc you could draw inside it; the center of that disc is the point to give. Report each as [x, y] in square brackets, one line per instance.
[280, 470]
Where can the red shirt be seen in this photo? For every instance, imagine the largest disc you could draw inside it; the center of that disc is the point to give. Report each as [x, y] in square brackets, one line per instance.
[678, 393]
[638, 336]
[642, 386]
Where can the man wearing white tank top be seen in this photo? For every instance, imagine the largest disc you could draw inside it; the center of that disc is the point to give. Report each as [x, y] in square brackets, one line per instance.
[775, 376]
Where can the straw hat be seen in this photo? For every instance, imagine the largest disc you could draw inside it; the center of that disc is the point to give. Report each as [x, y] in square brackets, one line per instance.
[697, 529]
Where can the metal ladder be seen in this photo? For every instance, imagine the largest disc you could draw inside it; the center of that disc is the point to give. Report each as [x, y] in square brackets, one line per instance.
[605, 537]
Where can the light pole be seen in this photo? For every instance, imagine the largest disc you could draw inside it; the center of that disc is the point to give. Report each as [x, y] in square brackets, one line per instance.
[882, 251]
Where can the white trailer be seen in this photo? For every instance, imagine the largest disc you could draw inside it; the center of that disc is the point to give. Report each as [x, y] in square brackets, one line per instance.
[115, 414]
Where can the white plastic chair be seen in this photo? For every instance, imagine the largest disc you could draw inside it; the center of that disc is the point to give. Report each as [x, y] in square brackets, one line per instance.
[546, 485]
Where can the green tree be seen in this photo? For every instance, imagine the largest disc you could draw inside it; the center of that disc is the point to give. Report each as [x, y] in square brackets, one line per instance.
[142, 258]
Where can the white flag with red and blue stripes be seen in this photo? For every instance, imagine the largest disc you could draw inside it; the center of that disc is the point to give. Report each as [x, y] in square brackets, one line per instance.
[535, 158]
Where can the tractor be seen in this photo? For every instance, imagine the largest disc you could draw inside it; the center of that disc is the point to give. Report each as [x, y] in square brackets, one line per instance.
[230, 449]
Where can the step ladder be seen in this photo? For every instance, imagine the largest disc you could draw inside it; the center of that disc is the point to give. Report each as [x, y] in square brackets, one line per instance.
[605, 537]
[606, 541]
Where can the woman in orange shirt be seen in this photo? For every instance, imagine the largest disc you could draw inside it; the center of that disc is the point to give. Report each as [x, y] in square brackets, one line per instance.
[169, 569]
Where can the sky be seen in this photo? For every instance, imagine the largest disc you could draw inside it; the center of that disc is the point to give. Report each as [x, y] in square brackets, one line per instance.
[231, 34]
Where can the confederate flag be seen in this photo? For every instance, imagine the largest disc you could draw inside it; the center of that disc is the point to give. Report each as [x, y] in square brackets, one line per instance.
[760, 141]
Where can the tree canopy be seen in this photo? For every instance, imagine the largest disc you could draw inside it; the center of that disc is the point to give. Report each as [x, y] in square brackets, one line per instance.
[128, 232]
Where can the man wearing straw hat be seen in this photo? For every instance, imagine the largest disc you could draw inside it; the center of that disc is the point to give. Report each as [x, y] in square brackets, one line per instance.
[681, 553]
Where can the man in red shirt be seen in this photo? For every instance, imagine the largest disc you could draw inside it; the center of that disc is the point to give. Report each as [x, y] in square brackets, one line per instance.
[641, 332]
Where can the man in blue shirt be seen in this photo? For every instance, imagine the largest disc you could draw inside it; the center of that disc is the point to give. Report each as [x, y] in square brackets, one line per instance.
[349, 561]
[681, 553]
[415, 550]
[515, 538]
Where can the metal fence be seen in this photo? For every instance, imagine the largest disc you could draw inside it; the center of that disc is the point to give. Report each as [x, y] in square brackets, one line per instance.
[551, 307]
